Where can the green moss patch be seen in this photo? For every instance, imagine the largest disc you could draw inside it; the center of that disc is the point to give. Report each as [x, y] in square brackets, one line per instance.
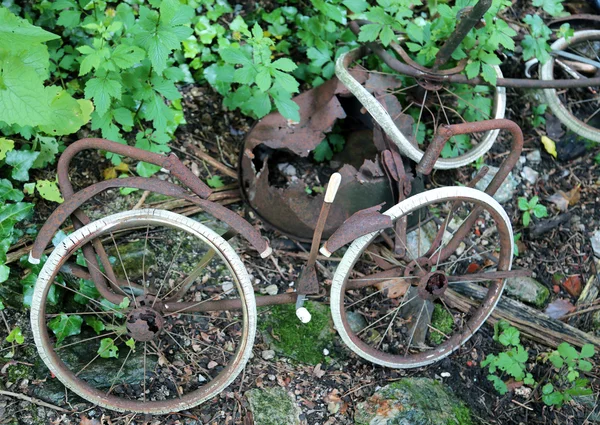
[443, 321]
[273, 406]
[303, 342]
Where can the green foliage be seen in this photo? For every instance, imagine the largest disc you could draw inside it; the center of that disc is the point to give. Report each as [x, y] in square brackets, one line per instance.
[535, 44]
[330, 144]
[443, 322]
[215, 182]
[108, 349]
[531, 207]
[511, 362]
[538, 115]
[566, 382]
[65, 326]
[15, 336]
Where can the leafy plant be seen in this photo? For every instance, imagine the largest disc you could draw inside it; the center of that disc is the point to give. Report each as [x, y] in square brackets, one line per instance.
[15, 336]
[566, 382]
[511, 362]
[531, 207]
[538, 118]
[330, 144]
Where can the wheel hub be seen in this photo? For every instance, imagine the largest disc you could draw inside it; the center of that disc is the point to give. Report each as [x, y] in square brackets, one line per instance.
[433, 285]
[144, 324]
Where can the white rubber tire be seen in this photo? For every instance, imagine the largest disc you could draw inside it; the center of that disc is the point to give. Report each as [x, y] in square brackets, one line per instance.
[380, 114]
[153, 216]
[358, 246]
[558, 108]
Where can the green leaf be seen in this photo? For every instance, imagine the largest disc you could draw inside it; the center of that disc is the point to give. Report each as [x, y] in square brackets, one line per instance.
[245, 75]
[259, 104]
[489, 74]
[21, 162]
[556, 360]
[499, 385]
[523, 204]
[510, 337]
[131, 344]
[323, 151]
[356, 6]
[415, 32]
[587, 351]
[489, 58]
[585, 366]
[101, 90]
[125, 56]
[567, 351]
[6, 145]
[4, 273]
[553, 399]
[386, 36]
[288, 108]
[123, 116]
[67, 114]
[124, 304]
[18, 34]
[552, 7]
[108, 349]
[263, 80]
[87, 291]
[49, 190]
[286, 81]
[8, 193]
[15, 336]
[234, 56]
[526, 218]
[12, 213]
[69, 18]
[145, 169]
[540, 211]
[547, 389]
[48, 150]
[1, 306]
[472, 69]
[215, 182]
[284, 64]
[65, 326]
[369, 32]
[317, 57]
[95, 324]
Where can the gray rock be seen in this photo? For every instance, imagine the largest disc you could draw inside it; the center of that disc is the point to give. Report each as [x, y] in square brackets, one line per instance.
[357, 321]
[271, 290]
[596, 243]
[530, 174]
[273, 406]
[268, 354]
[507, 188]
[412, 401]
[528, 290]
[534, 156]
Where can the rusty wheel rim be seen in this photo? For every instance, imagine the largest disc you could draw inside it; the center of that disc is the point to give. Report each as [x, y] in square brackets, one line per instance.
[188, 355]
[391, 323]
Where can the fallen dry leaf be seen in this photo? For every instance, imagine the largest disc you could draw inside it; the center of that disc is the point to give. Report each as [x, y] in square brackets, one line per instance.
[563, 200]
[572, 285]
[549, 145]
[393, 288]
[559, 308]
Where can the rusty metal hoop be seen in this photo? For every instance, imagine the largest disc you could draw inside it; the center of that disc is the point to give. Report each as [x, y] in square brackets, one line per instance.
[141, 311]
[341, 280]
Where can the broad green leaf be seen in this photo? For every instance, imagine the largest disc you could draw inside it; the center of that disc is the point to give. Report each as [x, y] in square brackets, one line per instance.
[526, 218]
[556, 360]
[369, 32]
[567, 351]
[12, 213]
[499, 385]
[69, 18]
[587, 351]
[356, 6]
[215, 182]
[323, 151]
[317, 57]
[234, 56]
[540, 211]
[48, 148]
[95, 324]
[555, 398]
[15, 336]
[263, 80]
[510, 337]
[166, 88]
[552, 7]
[523, 204]
[547, 389]
[145, 169]
[8, 193]
[65, 326]
[286, 81]
[288, 108]
[489, 74]
[18, 34]
[21, 162]
[108, 349]
[123, 116]
[259, 104]
[102, 90]
[124, 304]
[125, 56]
[1, 306]
[472, 69]
[87, 291]
[244, 75]
[6, 145]
[284, 64]
[415, 32]
[49, 190]
[386, 35]
[131, 344]
[67, 115]
[4, 273]
[159, 44]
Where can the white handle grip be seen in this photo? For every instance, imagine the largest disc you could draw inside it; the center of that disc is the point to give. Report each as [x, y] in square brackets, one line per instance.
[303, 314]
[332, 187]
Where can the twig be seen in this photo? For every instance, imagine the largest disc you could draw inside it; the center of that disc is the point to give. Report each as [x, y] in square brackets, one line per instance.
[34, 401]
[139, 203]
[522, 405]
[304, 255]
[200, 154]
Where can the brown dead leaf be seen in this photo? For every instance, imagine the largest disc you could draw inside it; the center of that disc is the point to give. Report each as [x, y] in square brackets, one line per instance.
[393, 288]
[88, 421]
[564, 200]
[318, 372]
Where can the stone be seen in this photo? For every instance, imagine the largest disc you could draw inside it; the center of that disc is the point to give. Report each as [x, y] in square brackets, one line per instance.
[267, 354]
[357, 321]
[271, 289]
[534, 156]
[506, 190]
[530, 175]
[273, 406]
[412, 401]
[528, 290]
[596, 243]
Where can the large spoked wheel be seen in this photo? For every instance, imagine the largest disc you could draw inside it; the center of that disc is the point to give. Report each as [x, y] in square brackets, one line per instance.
[182, 333]
[403, 309]
[428, 105]
[577, 108]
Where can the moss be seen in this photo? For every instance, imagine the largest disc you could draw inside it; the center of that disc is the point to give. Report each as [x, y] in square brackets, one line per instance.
[303, 342]
[273, 406]
[442, 321]
[462, 414]
[17, 372]
[542, 296]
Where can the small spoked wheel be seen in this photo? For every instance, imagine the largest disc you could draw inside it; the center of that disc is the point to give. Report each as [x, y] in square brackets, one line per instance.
[409, 110]
[576, 108]
[182, 332]
[409, 301]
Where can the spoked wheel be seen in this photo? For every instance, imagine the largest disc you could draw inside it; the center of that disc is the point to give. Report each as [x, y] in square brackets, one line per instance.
[170, 344]
[576, 108]
[402, 310]
[415, 108]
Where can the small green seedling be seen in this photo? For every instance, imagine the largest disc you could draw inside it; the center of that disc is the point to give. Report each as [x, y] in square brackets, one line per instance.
[531, 207]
